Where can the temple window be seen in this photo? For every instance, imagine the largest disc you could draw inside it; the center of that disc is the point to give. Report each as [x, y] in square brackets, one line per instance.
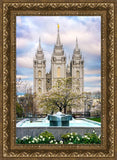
[39, 73]
[39, 90]
[58, 71]
[77, 74]
[39, 82]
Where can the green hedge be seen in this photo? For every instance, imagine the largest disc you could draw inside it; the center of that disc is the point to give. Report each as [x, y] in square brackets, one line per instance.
[74, 138]
[69, 138]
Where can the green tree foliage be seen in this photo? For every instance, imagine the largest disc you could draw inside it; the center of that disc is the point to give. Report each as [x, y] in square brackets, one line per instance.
[28, 103]
[59, 98]
[19, 110]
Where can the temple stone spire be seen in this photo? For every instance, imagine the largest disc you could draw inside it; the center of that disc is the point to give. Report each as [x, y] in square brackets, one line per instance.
[40, 54]
[58, 61]
[58, 48]
[39, 65]
[76, 53]
[76, 48]
[58, 42]
[39, 48]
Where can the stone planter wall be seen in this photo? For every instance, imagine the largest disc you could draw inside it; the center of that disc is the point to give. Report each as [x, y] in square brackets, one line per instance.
[56, 131]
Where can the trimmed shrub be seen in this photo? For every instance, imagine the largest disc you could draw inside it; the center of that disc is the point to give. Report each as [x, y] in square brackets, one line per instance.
[74, 138]
[69, 138]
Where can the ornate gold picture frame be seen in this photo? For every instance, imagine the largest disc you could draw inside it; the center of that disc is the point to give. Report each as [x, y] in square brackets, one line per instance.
[9, 10]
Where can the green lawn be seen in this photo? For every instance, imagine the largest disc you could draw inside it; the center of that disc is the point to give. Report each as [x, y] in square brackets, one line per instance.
[95, 119]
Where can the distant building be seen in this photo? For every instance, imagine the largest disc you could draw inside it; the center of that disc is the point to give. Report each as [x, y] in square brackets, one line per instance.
[92, 103]
[43, 81]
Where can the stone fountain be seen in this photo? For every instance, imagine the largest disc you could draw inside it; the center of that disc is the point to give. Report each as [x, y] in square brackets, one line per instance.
[59, 119]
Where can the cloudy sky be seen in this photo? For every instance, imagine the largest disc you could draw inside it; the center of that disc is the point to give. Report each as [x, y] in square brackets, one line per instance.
[87, 29]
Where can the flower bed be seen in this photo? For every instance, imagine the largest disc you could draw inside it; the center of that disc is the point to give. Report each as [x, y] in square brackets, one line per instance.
[69, 138]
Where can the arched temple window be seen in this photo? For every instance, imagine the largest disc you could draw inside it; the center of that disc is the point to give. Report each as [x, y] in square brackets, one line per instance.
[39, 74]
[58, 71]
[39, 82]
[77, 74]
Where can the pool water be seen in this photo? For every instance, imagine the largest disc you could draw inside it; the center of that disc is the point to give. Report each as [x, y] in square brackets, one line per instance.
[43, 122]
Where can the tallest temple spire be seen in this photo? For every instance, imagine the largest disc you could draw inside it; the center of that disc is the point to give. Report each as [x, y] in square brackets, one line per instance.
[58, 42]
[58, 48]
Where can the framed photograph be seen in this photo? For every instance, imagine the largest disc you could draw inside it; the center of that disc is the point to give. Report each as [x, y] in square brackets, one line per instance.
[58, 80]
[66, 83]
